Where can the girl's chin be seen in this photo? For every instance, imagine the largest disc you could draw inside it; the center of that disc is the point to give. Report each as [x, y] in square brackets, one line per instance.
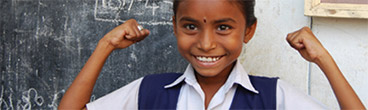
[212, 71]
[207, 72]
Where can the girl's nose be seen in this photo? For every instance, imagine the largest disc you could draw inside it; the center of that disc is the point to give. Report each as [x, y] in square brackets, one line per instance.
[206, 40]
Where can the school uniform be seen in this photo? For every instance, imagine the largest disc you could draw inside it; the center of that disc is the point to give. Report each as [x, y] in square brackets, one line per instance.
[183, 92]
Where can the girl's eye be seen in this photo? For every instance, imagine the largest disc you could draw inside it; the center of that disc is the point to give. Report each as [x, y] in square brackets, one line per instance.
[191, 27]
[223, 27]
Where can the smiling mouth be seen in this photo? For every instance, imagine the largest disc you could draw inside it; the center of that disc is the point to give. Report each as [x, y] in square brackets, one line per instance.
[208, 59]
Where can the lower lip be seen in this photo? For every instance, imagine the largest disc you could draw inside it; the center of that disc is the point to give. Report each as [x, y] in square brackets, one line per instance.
[207, 64]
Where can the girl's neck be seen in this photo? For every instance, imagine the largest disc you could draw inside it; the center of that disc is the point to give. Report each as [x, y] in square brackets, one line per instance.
[210, 85]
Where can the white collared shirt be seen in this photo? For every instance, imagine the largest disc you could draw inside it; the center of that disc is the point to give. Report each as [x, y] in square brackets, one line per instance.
[191, 96]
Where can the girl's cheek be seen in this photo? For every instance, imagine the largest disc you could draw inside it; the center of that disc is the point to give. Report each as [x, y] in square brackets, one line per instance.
[184, 42]
[233, 43]
[231, 39]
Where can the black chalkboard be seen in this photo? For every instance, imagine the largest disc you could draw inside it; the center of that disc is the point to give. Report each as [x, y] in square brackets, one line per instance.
[45, 43]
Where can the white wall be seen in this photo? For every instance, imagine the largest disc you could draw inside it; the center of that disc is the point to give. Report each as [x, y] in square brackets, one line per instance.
[268, 53]
[347, 42]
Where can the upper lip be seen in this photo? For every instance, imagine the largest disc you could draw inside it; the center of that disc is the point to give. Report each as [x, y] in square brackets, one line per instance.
[208, 55]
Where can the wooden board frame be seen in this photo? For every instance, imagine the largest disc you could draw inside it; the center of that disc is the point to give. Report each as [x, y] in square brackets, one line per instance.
[341, 10]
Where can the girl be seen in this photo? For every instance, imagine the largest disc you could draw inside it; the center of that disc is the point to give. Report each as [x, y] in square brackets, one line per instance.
[210, 35]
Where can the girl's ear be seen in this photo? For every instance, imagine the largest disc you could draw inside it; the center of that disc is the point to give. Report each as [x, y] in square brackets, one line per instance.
[174, 24]
[249, 32]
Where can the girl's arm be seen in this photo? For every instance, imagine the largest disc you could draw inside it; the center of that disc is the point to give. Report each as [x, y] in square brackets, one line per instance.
[122, 36]
[312, 50]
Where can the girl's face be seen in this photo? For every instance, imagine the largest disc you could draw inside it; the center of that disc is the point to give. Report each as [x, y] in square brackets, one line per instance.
[210, 34]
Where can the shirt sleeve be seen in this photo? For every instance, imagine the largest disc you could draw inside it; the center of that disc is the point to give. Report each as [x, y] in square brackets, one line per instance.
[290, 98]
[124, 98]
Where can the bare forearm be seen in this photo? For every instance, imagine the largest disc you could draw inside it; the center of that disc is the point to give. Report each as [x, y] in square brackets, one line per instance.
[122, 36]
[344, 93]
[79, 93]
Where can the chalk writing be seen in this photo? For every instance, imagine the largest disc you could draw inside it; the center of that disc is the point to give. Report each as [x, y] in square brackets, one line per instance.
[3, 103]
[25, 103]
[54, 103]
[146, 10]
[28, 100]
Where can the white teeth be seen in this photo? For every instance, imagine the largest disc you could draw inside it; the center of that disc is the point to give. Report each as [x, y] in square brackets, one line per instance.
[208, 59]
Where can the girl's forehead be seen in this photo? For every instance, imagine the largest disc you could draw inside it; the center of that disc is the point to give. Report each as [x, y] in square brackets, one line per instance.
[206, 2]
[208, 9]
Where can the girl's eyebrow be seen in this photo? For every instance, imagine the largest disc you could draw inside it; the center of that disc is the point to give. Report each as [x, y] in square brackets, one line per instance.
[224, 20]
[185, 18]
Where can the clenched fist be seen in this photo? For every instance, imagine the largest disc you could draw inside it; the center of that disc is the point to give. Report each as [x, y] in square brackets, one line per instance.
[307, 44]
[125, 35]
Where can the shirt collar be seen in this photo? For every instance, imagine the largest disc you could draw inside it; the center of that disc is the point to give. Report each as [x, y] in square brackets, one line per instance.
[237, 76]
[188, 76]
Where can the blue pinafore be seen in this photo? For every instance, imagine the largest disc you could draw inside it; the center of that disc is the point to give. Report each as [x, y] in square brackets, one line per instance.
[153, 95]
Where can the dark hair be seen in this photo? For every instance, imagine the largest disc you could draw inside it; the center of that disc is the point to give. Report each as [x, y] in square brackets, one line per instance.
[247, 7]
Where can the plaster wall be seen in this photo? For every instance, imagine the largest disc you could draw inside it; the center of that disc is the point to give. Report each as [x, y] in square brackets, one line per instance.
[269, 54]
[347, 42]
